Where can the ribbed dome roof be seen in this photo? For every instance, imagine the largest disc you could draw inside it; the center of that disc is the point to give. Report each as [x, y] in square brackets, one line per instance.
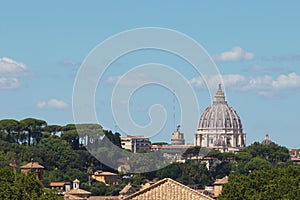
[220, 116]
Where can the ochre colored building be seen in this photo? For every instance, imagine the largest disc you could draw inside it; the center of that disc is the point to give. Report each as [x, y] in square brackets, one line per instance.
[35, 167]
[106, 177]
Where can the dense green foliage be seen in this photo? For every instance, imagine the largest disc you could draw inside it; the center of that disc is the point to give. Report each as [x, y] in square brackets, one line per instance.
[25, 187]
[58, 148]
[62, 151]
[265, 184]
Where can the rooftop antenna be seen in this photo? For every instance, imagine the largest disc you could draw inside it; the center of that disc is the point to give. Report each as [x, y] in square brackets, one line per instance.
[174, 115]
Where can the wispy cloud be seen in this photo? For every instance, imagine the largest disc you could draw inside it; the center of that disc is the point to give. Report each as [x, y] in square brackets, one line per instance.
[291, 80]
[10, 71]
[263, 85]
[9, 83]
[70, 63]
[52, 103]
[235, 54]
[283, 58]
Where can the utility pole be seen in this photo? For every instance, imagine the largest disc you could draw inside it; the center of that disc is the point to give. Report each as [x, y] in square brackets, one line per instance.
[174, 110]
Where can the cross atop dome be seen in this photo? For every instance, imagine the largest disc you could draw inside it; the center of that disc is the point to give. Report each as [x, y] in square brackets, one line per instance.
[219, 97]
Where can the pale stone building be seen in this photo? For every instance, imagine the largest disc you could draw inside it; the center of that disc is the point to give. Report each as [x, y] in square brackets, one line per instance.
[220, 126]
[61, 187]
[135, 143]
[177, 137]
[76, 192]
[218, 185]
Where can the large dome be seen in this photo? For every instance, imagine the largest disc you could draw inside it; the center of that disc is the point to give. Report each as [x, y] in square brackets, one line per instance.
[220, 116]
[220, 125]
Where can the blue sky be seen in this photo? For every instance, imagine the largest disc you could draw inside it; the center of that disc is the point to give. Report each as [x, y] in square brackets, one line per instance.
[254, 44]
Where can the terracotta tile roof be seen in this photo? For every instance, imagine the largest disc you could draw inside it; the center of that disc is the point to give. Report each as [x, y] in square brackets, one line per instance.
[130, 136]
[101, 173]
[168, 189]
[72, 197]
[78, 191]
[295, 159]
[32, 165]
[104, 198]
[126, 189]
[59, 184]
[171, 146]
[108, 173]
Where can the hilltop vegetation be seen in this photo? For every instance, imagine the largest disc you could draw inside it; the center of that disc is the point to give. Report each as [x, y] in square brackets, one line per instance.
[23, 187]
[257, 170]
[264, 184]
[58, 148]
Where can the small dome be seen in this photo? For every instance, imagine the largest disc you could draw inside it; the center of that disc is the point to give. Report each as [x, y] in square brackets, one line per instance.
[220, 116]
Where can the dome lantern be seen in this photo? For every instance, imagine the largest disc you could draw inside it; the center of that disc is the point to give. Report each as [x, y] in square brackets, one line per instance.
[219, 97]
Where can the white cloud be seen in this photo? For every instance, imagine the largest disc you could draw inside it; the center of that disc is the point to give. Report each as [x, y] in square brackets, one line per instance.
[292, 80]
[264, 85]
[235, 54]
[11, 66]
[10, 71]
[42, 104]
[52, 103]
[230, 80]
[8, 83]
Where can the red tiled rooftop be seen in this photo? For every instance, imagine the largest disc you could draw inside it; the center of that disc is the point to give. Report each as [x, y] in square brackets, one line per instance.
[104, 197]
[170, 146]
[59, 184]
[102, 173]
[295, 159]
[32, 165]
[78, 191]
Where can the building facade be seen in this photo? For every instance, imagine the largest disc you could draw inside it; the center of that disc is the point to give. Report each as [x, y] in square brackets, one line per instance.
[220, 126]
[76, 192]
[135, 143]
[108, 178]
[177, 137]
[34, 167]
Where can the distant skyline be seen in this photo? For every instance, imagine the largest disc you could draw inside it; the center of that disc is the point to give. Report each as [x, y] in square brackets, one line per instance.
[255, 46]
